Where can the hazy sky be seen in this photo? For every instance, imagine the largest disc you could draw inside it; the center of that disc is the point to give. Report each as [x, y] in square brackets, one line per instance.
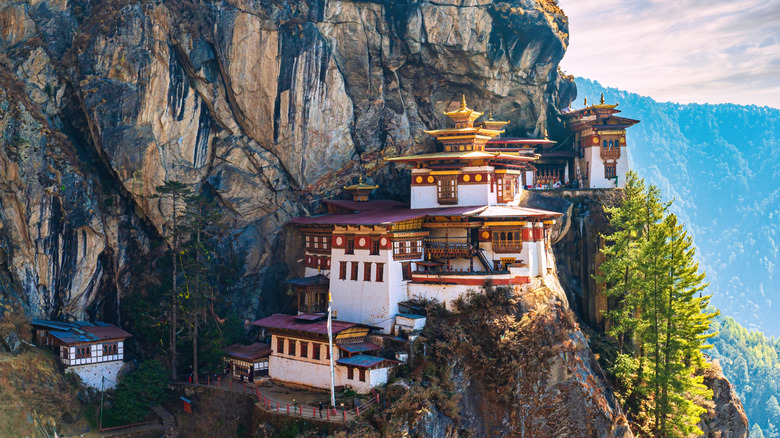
[678, 50]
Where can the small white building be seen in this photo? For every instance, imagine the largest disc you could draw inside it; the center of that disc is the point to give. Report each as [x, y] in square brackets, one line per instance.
[300, 353]
[92, 350]
[247, 362]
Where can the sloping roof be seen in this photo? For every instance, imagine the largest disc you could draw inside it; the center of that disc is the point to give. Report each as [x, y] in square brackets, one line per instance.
[503, 211]
[518, 140]
[81, 331]
[365, 361]
[318, 279]
[292, 322]
[357, 347]
[365, 205]
[249, 352]
[512, 211]
[384, 217]
[465, 155]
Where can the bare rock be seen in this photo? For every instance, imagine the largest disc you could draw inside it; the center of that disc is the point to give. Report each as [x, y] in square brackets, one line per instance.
[725, 417]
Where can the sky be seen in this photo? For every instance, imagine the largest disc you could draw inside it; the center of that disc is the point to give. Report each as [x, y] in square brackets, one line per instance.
[703, 51]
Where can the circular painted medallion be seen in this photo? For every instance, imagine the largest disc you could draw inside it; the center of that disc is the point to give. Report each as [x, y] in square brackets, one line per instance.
[430, 179]
[485, 235]
[362, 241]
[466, 178]
[595, 140]
[339, 241]
[477, 177]
[418, 179]
[383, 241]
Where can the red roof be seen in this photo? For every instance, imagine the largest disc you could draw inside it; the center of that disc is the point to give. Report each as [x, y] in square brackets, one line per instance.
[249, 352]
[110, 332]
[384, 217]
[292, 322]
[512, 140]
[366, 205]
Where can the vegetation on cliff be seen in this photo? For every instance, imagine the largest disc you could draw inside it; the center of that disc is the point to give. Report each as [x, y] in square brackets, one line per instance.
[751, 361]
[660, 323]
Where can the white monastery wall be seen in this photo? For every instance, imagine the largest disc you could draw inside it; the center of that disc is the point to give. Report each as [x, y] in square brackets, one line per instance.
[297, 371]
[443, 293]
[622, 166]
[474, 194]
[596, 171]
[309, 272]
[423, 197]
[369, 302]
[92, 374]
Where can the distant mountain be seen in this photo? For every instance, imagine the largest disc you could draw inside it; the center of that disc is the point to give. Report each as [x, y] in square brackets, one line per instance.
[721, 164]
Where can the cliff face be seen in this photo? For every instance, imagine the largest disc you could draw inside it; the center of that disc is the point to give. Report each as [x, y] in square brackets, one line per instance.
[267, 105]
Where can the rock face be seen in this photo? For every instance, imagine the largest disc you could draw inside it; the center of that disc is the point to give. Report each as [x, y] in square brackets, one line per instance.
[726, 418]
[268, 105]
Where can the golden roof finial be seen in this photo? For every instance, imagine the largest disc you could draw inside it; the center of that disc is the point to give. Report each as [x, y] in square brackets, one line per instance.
[586, 102]
[463, 102]
[602, 98]
[490, 115]
[360, 179]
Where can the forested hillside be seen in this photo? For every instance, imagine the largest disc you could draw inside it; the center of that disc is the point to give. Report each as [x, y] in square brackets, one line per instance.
[720, 164]
[751, 361]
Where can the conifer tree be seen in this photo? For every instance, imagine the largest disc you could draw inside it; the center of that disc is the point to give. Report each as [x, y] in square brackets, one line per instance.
[650, 268]
[175, 192]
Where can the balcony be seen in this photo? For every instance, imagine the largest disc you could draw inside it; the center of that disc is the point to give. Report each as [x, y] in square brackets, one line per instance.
[449, 247]
[507, 247]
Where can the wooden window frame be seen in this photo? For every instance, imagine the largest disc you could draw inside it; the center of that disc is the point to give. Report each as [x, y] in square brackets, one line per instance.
[316, 351]
[375, 245]
[367, 271]
[83, 351]
[350, 245]
[406, 271]
[607, 168]
[362, 374]
[350, 373]
[380, 272]
[354, 273]
[343, 271]
[280, 345]
[447, 189]
[304, 349]
[503, 244]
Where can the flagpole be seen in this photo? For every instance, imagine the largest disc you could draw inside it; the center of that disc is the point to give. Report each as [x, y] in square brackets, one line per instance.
[330, 345]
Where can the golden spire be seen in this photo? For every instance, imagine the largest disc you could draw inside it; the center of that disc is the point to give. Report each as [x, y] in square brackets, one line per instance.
[463, 102]
[490, 115]
[586, 102]
[602, 98]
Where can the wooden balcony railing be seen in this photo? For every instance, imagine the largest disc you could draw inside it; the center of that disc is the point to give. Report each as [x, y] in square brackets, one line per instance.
[449, 247]
[503, 247]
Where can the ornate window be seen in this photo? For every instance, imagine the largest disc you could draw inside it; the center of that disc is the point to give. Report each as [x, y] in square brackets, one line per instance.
[406, 270]
[380, 272]
[507, 241]
[350, 245]
[375, 245]
[610, 170]
[110, 348]
[448, 189]
[83, 351]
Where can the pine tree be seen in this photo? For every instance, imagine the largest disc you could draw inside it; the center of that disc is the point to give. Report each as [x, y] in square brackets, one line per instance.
[175, 192]
[650, 268]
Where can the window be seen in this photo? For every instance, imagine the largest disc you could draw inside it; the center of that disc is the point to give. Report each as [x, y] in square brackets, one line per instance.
[315, 354]
[293, 346]
[350, 245]
[448, 189]
[110, 348]
[343, 271]
[327, 352]
[84, 351]
[506, 189]
[610, 171]
[406, 270]
[367, 271]
[280, 345]
[375, 246]
[380, 272]
[362, 375]
[354, 270]
[304, 349]
[350, 373]
[507, 241]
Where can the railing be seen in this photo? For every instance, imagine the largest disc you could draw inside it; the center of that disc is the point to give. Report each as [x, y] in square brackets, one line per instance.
[449, 247]
[514, 247]
[314, 308]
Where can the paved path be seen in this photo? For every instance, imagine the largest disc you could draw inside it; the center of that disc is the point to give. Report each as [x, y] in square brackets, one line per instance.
[168, 421]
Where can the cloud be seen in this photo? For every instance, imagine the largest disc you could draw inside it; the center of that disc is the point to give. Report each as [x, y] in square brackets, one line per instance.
[679, 50]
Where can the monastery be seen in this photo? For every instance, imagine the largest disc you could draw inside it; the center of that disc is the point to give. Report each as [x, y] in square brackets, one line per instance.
[93, 351]
[464, 227]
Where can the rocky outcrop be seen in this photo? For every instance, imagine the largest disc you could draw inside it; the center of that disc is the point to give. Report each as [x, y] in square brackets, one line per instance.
[519, 366]
[267, 105]
[725, 417]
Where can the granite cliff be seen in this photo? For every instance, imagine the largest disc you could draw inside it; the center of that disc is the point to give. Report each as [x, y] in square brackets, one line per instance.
[267, 105]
